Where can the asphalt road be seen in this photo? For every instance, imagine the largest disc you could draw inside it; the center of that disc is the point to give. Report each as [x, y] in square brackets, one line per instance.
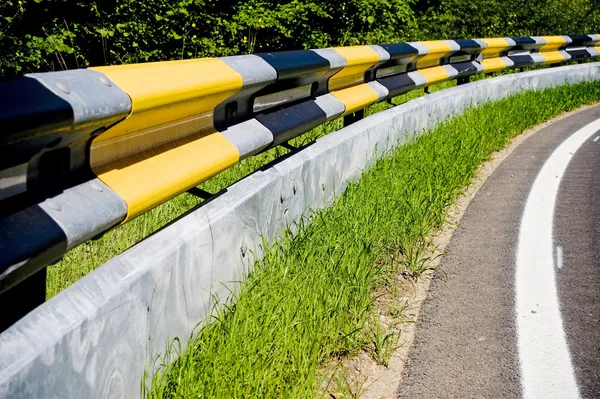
[518, 314]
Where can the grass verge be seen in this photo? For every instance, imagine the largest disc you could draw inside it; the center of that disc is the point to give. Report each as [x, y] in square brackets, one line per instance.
[310, 298]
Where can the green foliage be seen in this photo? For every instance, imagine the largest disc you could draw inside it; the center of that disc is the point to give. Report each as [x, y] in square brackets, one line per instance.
[499, 18]
[47, 35]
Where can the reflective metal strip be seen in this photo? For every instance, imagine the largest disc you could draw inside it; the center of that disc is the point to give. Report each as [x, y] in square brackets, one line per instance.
[93, 96]
[292, 121]
[13, 181]
[154, 176]
[356, 98]
[280, 98]
[256, 74]
[86, 210]
[336, 60]
[358, 60]
[249, 137]
[171, 100]
[542, 40]
[482, 44]
[381, 90]
[331, 106]
[436, 50]
[495, 46]
[383, 54]
[537, 58]
[418, 78]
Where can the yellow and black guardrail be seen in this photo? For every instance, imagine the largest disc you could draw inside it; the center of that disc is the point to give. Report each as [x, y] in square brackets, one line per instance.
[85, 150]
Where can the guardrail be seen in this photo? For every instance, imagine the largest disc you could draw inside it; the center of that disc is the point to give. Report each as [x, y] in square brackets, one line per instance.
[86, 150]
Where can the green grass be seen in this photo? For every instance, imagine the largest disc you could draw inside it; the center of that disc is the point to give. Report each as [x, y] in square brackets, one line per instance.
[311, 298]
[87, 257]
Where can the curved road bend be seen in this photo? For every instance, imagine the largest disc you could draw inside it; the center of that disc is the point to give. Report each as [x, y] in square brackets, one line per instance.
[519, 313]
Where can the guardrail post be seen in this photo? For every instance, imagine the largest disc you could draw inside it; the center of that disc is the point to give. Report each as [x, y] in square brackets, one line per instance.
[22, 299]
[354, 117]
[463, 80]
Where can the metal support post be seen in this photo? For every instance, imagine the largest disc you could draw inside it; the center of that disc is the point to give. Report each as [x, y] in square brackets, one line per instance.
[354, 117]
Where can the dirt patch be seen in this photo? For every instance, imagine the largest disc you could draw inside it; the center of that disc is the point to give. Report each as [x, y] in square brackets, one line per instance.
[361, 376]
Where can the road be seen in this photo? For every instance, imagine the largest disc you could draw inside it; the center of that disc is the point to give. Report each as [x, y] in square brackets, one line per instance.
[518, 314]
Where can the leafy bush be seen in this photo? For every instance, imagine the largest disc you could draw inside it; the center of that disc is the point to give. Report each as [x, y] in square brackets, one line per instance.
[48, 35]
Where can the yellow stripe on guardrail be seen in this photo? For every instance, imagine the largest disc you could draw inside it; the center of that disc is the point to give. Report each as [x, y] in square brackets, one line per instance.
[494, 47]
[356, 98]
[358, 60]
[436, 50]
[155, 176]
[491, 55]
[434, 75]
[493, 64]
[550, 50]
[168, 143]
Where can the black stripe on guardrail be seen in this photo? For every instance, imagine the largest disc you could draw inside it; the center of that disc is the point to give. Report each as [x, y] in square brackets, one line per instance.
[399, 52]
[397, 84]
[30, 238]
[28, 110]
[524, 42]
[580, 40]
[292, 121]
[522, 60]
[465, 68]
[467, 46]
[295, 68]
[578, 54]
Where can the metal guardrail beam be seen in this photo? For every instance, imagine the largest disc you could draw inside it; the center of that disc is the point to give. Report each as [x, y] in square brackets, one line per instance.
[85, 150]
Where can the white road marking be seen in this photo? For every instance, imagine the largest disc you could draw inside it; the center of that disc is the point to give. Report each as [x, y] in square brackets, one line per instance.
[559, 257]
[596, 139]
[546, 368]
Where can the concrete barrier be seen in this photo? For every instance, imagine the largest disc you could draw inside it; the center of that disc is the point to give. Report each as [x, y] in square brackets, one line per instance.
[96, 338]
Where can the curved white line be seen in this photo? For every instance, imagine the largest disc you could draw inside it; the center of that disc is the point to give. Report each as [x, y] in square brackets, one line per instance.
[546, 369]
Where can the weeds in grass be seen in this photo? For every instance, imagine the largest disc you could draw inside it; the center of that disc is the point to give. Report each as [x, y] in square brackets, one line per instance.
[310, 298]
[383, 340]
[398, 310]
[349, 387]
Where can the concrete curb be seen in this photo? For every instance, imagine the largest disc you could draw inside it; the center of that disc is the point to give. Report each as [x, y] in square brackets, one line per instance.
[96, 339]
